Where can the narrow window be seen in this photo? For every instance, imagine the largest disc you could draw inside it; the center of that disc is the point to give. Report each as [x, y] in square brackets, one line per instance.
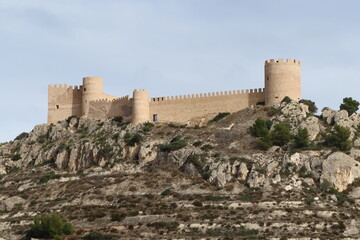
[57, 106]
[155, 118]
[84, 89]
[267, 78]
[276, 97]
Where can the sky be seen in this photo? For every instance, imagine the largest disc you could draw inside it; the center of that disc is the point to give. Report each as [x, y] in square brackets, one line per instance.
[171, 47]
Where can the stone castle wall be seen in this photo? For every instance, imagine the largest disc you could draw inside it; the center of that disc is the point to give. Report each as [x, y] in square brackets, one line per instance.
[103, 109]
[282, 78]
[180, 109]
[64, 101]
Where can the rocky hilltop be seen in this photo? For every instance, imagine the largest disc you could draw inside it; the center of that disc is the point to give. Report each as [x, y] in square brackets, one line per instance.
[166, 181]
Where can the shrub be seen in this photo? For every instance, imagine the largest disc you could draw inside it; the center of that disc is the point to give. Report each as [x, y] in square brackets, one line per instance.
[49, 226]
[69, 119]
[197, 143]
[105, 152]
[301, 139]
[41, 139]
[175, 144]
[219, 117]
[166, 192]
[312, 107]
[117, 119]
[47, 177]
[286, 100]
[207, 147]
[197, 203]
[147, 127]
[131, 140]
[99, 236]
[117, 217]
[264, 142]
[281, 134]
[261, 127]
[22, 136]
[350, 105]
[171, 226]
[339, 138]
[16, 157]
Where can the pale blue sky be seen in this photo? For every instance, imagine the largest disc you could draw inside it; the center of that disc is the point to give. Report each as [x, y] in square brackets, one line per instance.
[171, 47]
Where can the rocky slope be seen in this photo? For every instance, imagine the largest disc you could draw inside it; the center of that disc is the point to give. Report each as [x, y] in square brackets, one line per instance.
[168, 181]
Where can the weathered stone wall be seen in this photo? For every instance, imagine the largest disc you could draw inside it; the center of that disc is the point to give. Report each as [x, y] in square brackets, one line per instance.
[64, 101]
[104, 108]
[180, 109]
[282, 78]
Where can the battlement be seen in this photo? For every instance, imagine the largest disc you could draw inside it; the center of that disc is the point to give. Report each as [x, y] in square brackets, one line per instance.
[282, 61]
[64, 87]
[105, 100]
[208, 95]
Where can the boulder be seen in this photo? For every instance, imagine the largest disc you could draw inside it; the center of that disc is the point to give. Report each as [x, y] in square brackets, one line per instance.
[312, 125]
[220, 173]
[340, 170]
[328, 115]
[8, 203]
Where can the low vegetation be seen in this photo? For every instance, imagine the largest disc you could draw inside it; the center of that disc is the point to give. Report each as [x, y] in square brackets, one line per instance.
[50, 226]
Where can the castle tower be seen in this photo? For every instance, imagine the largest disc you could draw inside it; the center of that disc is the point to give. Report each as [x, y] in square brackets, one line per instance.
[92, 90]
[140, 107]
[282, 78]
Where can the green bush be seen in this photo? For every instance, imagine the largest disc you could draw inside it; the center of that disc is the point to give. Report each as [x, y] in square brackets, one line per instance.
[117, 119]
[147, 127]
[175, 144]
[219, 117]
[16, 157]
[350, 105]
[339, 138]
[170, 226]
[105, 151]
[47, 177]
[131, 140]
[281, 134]
[197, 143]
[312, 107]
[117, 217]
[301, 139]
[264, 142]
[22, 136]
[261, 127]
[41, 139]
[207, 147]
[286, 99]
[99, 236]
[166, 192]
[49, 226]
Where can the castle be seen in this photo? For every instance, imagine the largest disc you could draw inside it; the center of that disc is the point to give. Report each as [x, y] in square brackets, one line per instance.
[282, 78]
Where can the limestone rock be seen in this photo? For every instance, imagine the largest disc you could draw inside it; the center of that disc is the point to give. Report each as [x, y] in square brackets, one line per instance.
[255, 179]
[8, 203]
[243, 172]
[328, 115]
[340, 170]
[341, 115]
[220, 173]
[312, 125]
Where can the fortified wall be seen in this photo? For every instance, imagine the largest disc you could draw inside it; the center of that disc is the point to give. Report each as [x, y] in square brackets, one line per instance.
[282, 78]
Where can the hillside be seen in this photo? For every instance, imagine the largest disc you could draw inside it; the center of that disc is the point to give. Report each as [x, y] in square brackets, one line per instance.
[167, 181]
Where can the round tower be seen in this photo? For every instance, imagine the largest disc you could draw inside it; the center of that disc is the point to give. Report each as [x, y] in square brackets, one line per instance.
[282, 78]
[92, 90]
[140, 107]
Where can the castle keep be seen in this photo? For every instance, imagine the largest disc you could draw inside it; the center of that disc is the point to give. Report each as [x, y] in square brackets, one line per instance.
[282, 78]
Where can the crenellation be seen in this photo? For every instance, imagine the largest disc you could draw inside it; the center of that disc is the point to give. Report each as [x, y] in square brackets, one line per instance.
[282, 78]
